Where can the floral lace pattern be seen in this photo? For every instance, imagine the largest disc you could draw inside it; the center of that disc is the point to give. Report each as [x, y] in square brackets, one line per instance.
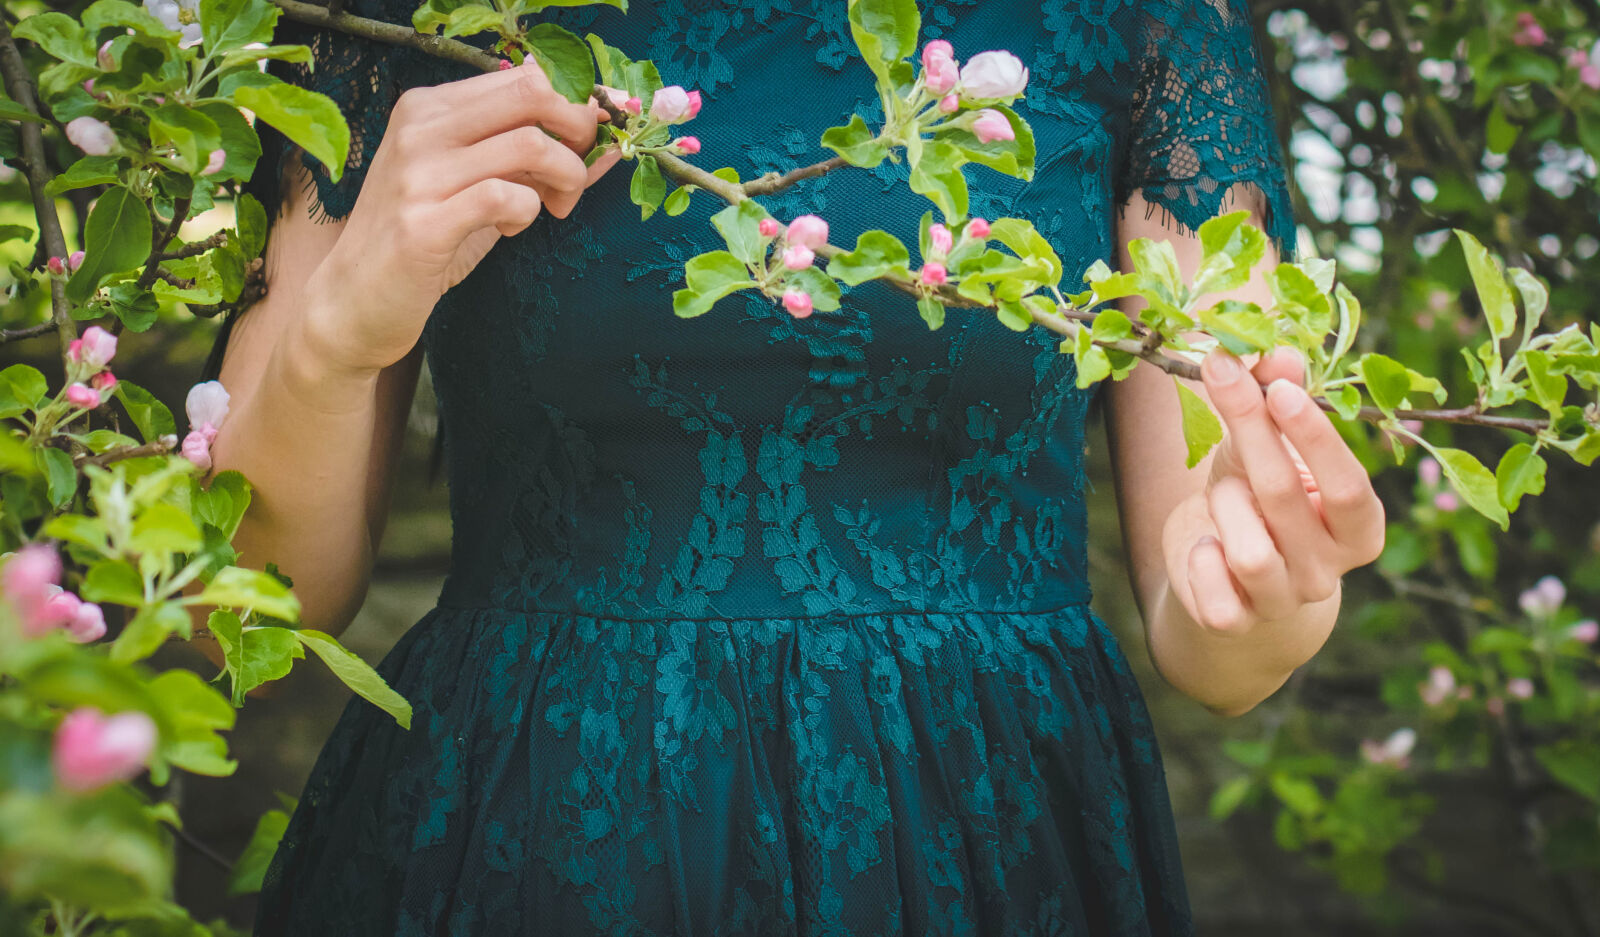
[757, 625]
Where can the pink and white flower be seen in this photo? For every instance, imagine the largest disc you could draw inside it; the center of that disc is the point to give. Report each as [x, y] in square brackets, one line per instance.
[798, 257]
[207, 406]
[940, 238]
[94, 137]
[798, 302]
[1394, 750]
[93, 750]
[993, 75]
[82, 395]
[672, 105]
[933, 274]
[1440, 686]
[809, 230]
[29, 578]
[95, 347]
[939, 71]
[180, 16]
[989, 125]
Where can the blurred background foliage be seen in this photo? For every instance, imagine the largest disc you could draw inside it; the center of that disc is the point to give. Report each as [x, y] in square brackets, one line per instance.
[1437, 768]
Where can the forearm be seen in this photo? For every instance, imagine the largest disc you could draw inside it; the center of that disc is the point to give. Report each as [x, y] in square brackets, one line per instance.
[302, 436]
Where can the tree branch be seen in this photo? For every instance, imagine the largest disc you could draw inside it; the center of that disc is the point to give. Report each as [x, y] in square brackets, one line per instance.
[19, 85]
[32, 331]
[160, 446]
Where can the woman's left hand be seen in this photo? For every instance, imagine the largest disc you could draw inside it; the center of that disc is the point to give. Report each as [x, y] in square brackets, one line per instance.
[1287, 508]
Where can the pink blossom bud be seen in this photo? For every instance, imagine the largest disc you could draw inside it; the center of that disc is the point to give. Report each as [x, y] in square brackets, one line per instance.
[617, 96]
[214, 162]
[74, 260]
[160, 98]
[93, 750]
[1495, 705]
[105, 381]
[996, 74]
[798, 257]
[98, 347]
[1519, 688]
[88, 624]
[88, 87]
[940, 238]
[670, 105]
[1446, 501]
[1440, 685]
[933, 274]
[1577, 58]
[809, 230]
[939, 71]
[977, 228]
[1590, 76]
[798, 302]
[28, 580]
[94, 137]
[688, 146]
[1544, 599]
[949, 104]
[505, 64]
[82, 395]
[1586, 631]
[56, 266]
[1429, 470]
[103, 57]
[1529, 32]
[1464, 692]
[207, 402]
[990, 125]
[694, 104]
[769, 227]
[1395, 750]
[197, 449]
[633, 106]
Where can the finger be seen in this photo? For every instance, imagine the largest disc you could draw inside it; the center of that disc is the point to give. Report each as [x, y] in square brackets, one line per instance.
[524, 155]
[1249, 549]
[494, 202]
[1257, 451]
[1217, 606]
[603, 165]
[1351, 510]
[475, 108]
[1283, 361]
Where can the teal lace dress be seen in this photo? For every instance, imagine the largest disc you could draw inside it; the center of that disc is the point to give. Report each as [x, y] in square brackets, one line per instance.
[766, 626]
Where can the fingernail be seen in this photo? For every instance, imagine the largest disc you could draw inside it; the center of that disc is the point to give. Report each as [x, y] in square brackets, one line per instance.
[1284, 401]
[1225, 368]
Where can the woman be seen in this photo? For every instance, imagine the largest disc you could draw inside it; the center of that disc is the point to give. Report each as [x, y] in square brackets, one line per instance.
[758, 624]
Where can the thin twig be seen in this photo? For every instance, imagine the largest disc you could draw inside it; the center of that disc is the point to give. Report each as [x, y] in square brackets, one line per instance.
[160, 446]
[152, 265]
[196, 248]
[32, 331]
[19, 85]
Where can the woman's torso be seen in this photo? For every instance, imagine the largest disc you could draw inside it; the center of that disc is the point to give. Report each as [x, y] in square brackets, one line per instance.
[609, 458]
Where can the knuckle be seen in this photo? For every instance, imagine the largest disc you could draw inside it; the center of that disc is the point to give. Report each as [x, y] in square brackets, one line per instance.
[1346, 495]
[1318, 585]
[1254, 560]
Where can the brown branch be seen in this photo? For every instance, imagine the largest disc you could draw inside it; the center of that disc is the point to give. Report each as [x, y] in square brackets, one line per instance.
[773, 182]
[19, 85]
[450, 49]
[152, 265]
[161, 446]
[196, 248]
[32, 331]
[168, 277]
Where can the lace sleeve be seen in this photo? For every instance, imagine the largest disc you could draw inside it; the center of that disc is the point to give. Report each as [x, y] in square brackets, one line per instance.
[364, 77]
[1201, 118]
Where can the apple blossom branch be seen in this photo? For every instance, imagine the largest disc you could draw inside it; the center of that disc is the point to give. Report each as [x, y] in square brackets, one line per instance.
[19, 85]
[1146, 344]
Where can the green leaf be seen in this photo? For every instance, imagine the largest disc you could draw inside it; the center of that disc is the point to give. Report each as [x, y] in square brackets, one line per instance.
[252, 222]
[1014, 315]
[1500, 133]
[1493, 293]
[113, 581]
[264, 654]
[884, 30]
[856, 143]
[931, 310]
[1548, 389]
[357, 675]
[135, 307]
[189, 131]
[472, 19]
[648, 188]
[1229, 797]
[740, 226]
[251, 867]
[1241, 327]
[85, 531]
[1157, 262]
[678, 201]
[59, 35]
[285, 53]
[710, 277]
[1521, 471]
[1475, 483]
[1386, 380]
[824, 292]
[565, 60]
[1573, 763]
[237, 587]
[1026, 242]
[876, 254]
[117, 239]
[1201, 429]
[150, 416]
[937, 175]
[22, 388]
[196, 712]
[307, 118]
[223, 503]
[148, 630]
[120, 13]
[226, 25]
[238, 141]
[1297, 793]
[87, 171]
[1013, 157]
[163, 528]
[62, 479]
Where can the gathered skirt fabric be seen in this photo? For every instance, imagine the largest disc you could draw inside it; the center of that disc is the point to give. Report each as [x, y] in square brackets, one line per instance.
[877, 774]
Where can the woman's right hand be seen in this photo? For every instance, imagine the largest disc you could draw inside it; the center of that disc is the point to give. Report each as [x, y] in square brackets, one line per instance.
[460, 165]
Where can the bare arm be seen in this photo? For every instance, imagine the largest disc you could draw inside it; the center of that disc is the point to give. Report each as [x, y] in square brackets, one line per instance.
[1282, 559]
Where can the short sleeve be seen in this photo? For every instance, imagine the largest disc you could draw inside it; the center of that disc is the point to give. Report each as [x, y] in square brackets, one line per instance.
[364, 77]
[1201, 118]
